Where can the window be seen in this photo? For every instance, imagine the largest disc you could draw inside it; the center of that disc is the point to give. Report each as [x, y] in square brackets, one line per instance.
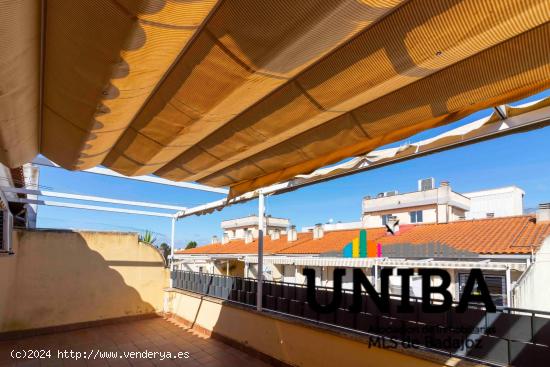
[386, 218]
[495, 283]
[416, 216]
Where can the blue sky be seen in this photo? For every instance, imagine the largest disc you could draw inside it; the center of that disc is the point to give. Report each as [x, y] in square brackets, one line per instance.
[521, 159]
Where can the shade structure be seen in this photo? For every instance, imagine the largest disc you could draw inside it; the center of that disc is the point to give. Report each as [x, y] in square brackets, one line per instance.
[246, 93]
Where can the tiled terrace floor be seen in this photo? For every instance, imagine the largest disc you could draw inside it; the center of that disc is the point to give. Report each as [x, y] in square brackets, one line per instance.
[153, 335]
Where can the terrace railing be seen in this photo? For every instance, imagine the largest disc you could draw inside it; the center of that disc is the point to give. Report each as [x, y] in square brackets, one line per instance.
[508, 337]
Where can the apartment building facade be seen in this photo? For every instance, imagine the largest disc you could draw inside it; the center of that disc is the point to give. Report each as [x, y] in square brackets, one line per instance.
[431, 204]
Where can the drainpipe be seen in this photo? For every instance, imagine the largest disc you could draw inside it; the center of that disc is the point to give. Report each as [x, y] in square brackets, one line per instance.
[261, 213]
[508, 287]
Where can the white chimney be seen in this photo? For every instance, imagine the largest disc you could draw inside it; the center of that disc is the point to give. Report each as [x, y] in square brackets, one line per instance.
[248, 237]
[292, 235]
[214, 239]
[225, 238]
[318, 231]
[543, 213]
[275, 234]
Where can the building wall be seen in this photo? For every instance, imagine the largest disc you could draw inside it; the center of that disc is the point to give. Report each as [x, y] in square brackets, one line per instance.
[286, 340]
[65, 277]
[237, 228]
[527, 293]
[374, 220]
[503, 202]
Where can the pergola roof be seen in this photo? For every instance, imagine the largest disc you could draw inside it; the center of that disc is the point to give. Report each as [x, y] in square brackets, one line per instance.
[248, 93]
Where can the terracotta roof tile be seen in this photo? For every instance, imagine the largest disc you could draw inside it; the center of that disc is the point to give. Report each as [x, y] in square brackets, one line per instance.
[240, 247]
[485, 236]
[332, 241]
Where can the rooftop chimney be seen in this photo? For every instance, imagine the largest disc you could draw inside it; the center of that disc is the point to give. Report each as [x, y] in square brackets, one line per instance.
[275, 234]
[214, 239]
[444, 183]
[292, 235]
[248, 237]
[543, 212]
[318, 231]
[225, 238]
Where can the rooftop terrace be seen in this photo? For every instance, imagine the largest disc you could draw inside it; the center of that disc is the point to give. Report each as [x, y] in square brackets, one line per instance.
[115, 340]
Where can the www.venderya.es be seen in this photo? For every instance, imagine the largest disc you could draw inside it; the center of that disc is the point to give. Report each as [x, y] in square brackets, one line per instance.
[95, 354]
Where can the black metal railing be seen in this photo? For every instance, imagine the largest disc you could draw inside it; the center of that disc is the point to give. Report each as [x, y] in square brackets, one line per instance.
[508, 337]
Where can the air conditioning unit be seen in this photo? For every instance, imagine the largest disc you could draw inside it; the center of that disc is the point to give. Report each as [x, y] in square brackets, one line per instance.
[426, 184]
[390, 193]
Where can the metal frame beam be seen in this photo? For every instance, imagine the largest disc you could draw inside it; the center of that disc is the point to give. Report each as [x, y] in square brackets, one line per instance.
[91, 207]
[43, 161]
[63, 195]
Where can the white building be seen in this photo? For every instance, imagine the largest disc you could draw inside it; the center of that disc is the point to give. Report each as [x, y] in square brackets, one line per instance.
[441, 204]
[501, 202]
[246, 228]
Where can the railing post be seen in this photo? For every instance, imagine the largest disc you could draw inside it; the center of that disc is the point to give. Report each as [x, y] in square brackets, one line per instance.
[261, 213]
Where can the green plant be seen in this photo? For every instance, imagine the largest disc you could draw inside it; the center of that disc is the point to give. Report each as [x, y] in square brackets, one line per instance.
[147, 237]
[191, 244]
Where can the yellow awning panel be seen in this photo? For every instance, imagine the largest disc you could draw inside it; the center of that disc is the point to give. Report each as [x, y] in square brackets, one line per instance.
[245, 93]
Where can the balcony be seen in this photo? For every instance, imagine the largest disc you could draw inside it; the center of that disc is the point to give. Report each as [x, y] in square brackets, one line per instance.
[105, 292]
[508, 337]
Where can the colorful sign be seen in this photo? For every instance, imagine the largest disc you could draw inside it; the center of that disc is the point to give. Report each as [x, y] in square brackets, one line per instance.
[360, 247]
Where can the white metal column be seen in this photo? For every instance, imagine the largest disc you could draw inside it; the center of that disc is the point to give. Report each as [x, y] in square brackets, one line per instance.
[172, 235]
[261, 214]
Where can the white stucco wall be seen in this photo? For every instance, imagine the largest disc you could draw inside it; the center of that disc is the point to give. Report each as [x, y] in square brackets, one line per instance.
[530, 291]
[503, 202]
[375, 220]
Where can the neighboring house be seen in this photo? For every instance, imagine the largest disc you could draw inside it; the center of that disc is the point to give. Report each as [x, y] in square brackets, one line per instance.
[246, 228]
[441, 204]
[502, 247]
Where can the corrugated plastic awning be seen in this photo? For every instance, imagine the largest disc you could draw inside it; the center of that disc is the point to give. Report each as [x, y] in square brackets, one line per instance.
[246, 93]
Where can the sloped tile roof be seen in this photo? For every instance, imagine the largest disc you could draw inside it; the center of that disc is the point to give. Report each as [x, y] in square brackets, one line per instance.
[506, 235]
[240, 247]
[487, 236]
[332, 241]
